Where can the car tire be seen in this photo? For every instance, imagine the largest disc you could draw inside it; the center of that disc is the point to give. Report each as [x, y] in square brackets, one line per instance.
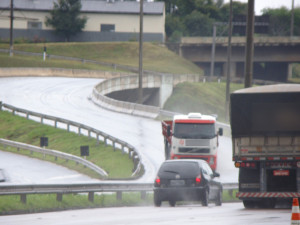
[219, 198]
[205, 195]
[157, 200]
[172, 203]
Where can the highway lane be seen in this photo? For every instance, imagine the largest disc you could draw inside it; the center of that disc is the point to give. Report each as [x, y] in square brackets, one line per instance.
[20, 169]
[227, 214]
[68, 98]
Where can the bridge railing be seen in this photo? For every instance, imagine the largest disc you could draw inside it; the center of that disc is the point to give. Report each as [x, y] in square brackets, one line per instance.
[91, 132]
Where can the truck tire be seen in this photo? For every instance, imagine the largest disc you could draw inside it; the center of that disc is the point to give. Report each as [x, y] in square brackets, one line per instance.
[167, 150]
[268, 203]
[249, 204]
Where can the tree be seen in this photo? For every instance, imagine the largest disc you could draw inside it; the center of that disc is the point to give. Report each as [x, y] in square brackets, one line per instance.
[198, 24]
[280, 20]
[65, 18]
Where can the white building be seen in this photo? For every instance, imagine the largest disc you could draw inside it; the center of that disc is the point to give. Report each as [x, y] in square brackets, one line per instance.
[108, 20]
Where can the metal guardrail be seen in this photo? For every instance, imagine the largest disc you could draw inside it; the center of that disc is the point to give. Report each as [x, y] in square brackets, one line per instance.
[90, 188]
[55, 153]
[124, 146]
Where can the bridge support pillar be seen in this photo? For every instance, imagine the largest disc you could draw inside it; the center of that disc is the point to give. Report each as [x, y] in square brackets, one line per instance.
[232, 69]
[290, 70]
[166, 89]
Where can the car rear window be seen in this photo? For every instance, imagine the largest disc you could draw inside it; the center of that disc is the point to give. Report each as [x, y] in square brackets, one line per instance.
[184, 169]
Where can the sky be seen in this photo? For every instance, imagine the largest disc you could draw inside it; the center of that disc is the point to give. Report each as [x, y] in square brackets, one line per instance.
[261, 4]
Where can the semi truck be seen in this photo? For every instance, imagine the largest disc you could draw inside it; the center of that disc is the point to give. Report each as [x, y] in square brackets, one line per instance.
[265, 128]
[192, 136]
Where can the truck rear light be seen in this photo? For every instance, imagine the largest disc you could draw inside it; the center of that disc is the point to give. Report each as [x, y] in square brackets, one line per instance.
[157, 181]
[245, 164]
[198, 179]
[237, 164]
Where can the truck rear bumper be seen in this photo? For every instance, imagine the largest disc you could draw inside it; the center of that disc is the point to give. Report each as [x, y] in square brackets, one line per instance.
[251, 195]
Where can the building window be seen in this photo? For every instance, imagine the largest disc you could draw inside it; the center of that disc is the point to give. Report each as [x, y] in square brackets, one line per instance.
[34, 25]
[107, 28]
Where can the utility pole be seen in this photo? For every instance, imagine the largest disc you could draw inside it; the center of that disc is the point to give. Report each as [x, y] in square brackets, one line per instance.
[292, 18]
[140, 89]
[213, 51]
[11, 38]
[249, 45]
[228, 63]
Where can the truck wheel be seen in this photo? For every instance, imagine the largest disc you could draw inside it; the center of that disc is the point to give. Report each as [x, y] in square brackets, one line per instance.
[267, 203]
[248, 204]
[167, 150]
[157, 200]
[219, 199]
[172, 203]
[205, 198]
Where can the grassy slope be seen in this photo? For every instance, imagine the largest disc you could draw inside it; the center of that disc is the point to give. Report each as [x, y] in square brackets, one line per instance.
[155, 56]
[20, 129]
[206, 98]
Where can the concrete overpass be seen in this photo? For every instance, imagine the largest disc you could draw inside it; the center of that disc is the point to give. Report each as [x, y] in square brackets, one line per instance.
[120, 93]
[273, 56]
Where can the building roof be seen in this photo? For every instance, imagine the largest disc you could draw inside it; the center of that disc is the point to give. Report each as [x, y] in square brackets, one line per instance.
[90, 6]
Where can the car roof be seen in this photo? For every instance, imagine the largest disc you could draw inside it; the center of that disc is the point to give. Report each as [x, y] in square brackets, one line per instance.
[199, 161]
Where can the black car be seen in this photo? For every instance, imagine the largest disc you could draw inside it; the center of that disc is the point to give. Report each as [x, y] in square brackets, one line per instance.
[187, 180]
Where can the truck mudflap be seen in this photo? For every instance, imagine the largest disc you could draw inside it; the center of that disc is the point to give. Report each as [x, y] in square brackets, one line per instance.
[247, 195]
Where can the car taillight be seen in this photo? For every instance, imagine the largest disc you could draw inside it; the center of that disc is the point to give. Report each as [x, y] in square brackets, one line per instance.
[157, 181]
[198, 179]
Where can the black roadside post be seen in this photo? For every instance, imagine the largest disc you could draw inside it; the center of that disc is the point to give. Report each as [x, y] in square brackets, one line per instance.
[84, 151]
[44, 142]
[45, 53]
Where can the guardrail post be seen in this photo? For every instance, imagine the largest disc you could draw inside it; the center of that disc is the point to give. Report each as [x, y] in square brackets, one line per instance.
[79, 130]
[1, 105]
[27, 115]
[68, 127]
[55, 123]
[114, 146]
[59, 197]
[89, 133]
[129, 153]
[98, 142]
[23, 198]
[91, 196]
[105, 141]
[119, 195]
[14, 112]
[143, 195]
[123, 149]
[42, 119]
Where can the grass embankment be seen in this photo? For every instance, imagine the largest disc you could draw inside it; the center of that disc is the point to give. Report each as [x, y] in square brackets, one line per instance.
[155, 56]
[207, 98]
[19, 129]
[43, 203]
